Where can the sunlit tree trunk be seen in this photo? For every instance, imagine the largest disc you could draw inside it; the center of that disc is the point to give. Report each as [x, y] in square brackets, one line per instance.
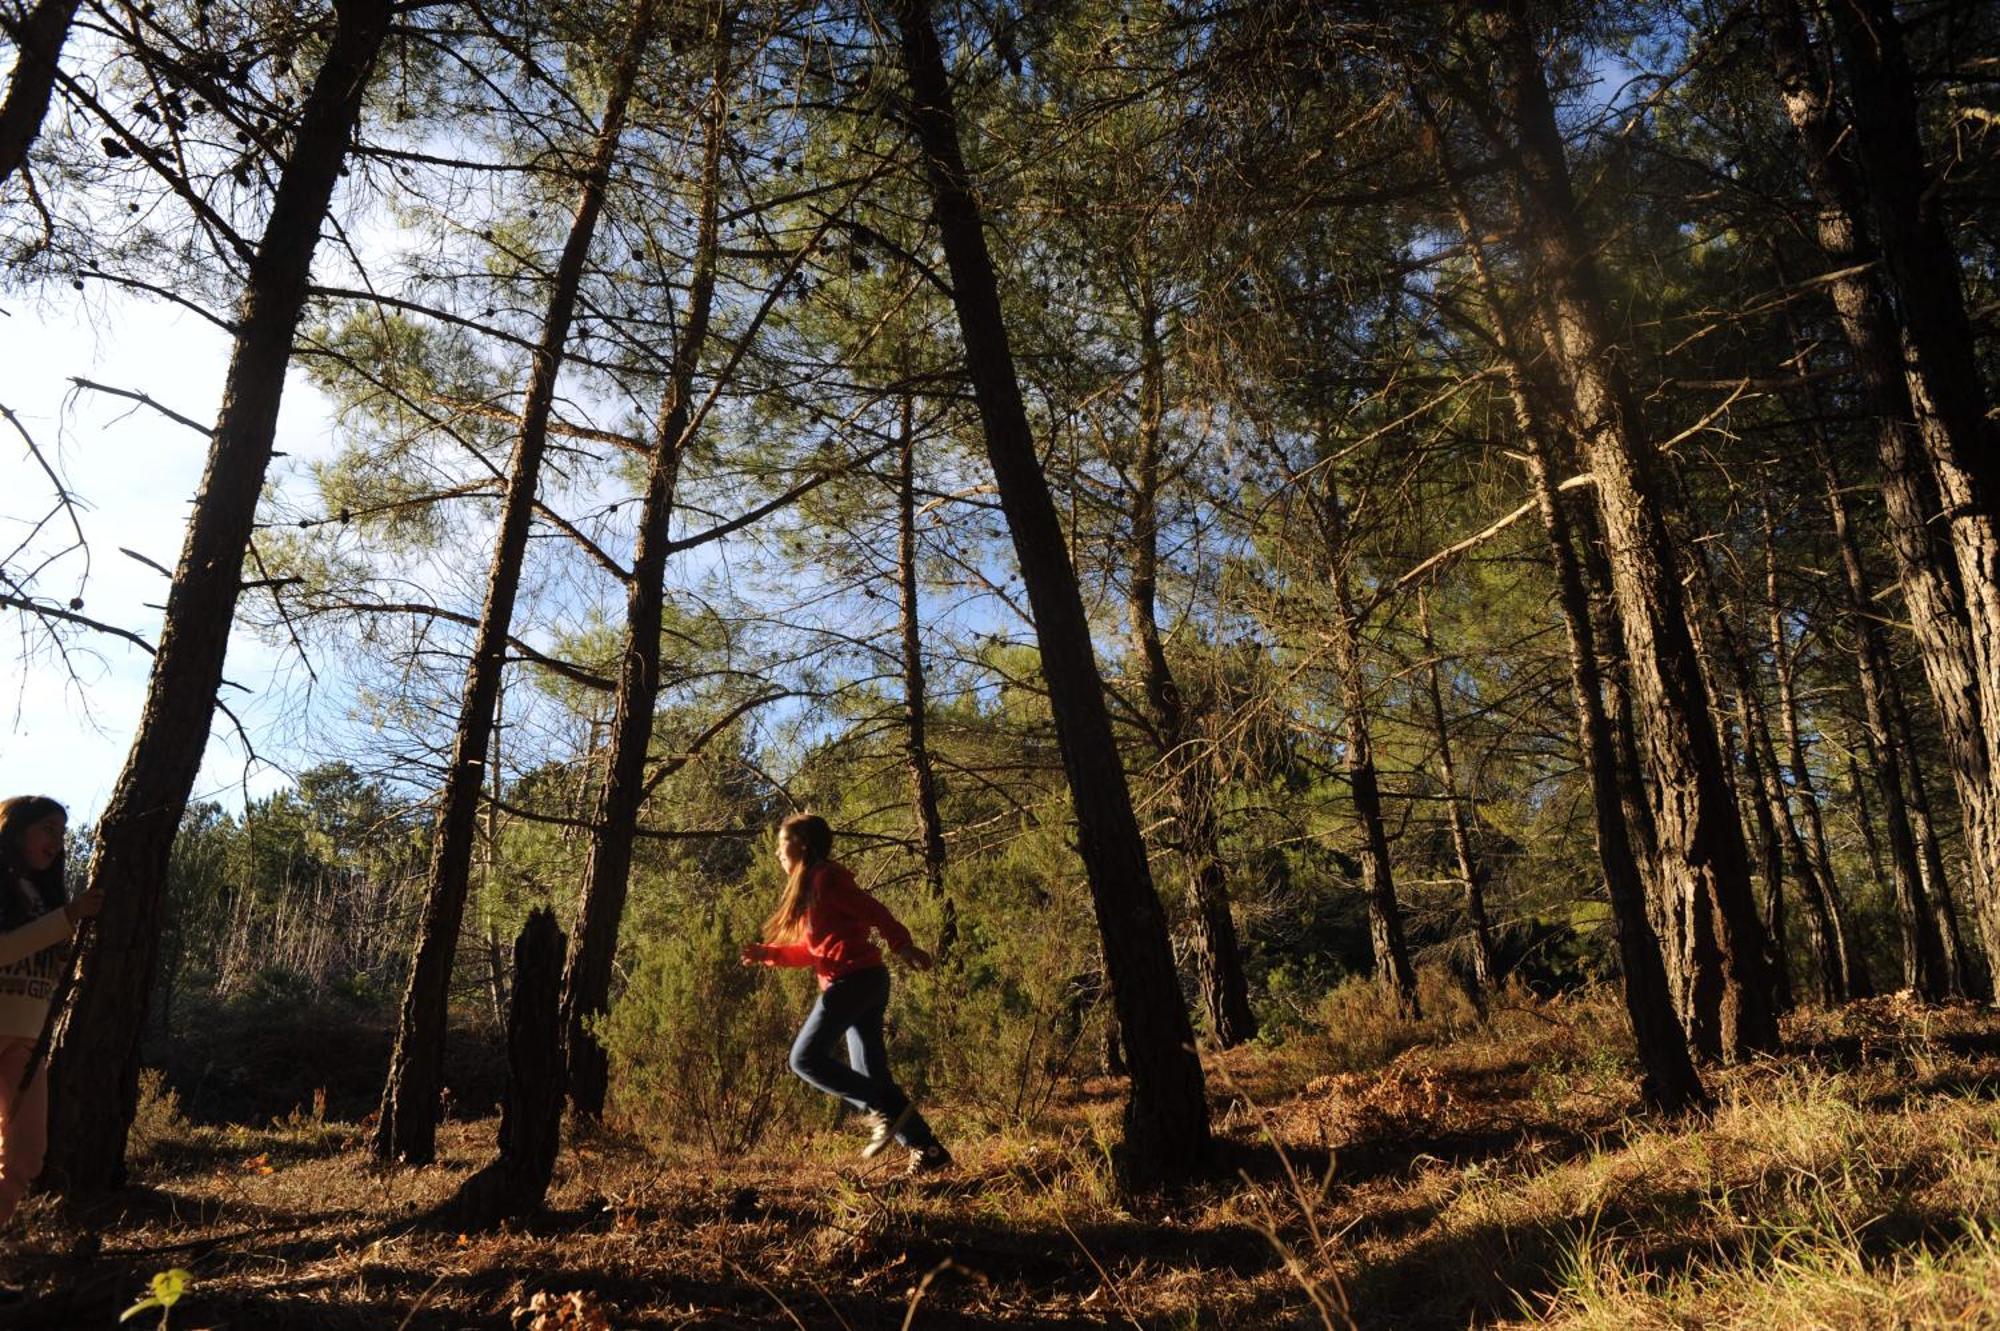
[916, 742]
[1929, 575]
[586, 990]
[1166, 1114]
[1940, 355]
[1670, 1082]
[1185, 757]
[1469, 872]
[1837, 961]
[407, 1126]
[1393, 971]
[94, 1077]
[1701, 849]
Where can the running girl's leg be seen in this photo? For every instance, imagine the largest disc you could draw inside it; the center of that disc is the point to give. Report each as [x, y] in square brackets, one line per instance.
[869, 1053]
[840, 1006]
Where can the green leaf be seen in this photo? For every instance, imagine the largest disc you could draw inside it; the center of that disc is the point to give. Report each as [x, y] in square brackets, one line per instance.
[167, 1288]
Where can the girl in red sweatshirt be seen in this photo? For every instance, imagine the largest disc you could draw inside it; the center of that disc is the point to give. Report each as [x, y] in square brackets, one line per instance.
[824, 921]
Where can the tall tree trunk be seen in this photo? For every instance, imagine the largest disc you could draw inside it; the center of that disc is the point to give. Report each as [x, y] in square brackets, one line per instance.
[38, 41]
[1930, 854]
[407, 1127]
[1925, 968]
[1685, 924]
[1766, 806]
[1185, 757]
[1166, 1115]
[94, 1076]
[1702, 854]
[916, 743]
[1829, 916]
[1940, 355]
[1469, 872]
[586, 990]
[1927, 573]
[1669, 1082]
[1393, 970]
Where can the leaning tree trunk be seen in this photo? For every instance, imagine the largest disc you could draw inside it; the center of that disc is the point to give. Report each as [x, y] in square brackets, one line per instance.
[1684, 924]
[1188, 763]
[38, 41]
[1829, 914]
[1469, 872]
[1930, 853]
[1701, 850]
[516, 1182]
[1761, 759]
[607, 873]
[94, 1077]
[1393, 971]
[407, 1128]
[1670, 1082]
[916, 708]
[1941, 351]
[1925, 967]
[1766, 807]
[1166, 1115]
[1927, 572]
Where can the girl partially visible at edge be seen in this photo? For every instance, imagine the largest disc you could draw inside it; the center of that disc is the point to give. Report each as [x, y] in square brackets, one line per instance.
[36, 921]
[824, 921]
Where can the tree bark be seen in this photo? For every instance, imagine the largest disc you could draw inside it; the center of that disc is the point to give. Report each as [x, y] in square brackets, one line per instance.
[1701, 848]
[1940, 360]
[1669, 1082]
[1928, 575]
[1930, 855]
[1166, 1115]
[407, 1127]
[516, 1182]
[1393, 971]
[1184, 755]
[1925, 967]
[94, 1074]
[1829, 915]
[1470, 876]
[38, 41]
[608, 869]
[916, 743]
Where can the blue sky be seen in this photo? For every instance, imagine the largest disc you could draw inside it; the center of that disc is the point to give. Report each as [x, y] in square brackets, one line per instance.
[134, 472]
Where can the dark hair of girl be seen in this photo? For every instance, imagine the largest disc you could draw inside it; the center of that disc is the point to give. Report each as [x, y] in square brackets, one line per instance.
[812, 838]
[17, 815]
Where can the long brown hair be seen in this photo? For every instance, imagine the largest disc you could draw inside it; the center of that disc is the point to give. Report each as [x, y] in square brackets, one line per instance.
[17, 814]
[814, 839]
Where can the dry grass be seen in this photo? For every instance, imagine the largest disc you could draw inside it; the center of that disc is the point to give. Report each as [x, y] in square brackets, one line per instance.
[1484, 1176]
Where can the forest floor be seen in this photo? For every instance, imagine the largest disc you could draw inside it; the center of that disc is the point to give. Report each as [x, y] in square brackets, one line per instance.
[1500, 1177]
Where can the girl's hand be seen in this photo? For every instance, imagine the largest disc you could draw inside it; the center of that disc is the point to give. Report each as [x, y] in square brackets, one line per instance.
[84, 905]
[752, 954]
[916, 958]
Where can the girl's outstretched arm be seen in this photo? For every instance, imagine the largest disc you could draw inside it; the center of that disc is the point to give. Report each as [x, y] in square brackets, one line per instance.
[777, 954]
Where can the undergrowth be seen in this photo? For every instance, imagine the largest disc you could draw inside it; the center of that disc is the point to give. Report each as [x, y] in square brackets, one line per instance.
[1371, 1172]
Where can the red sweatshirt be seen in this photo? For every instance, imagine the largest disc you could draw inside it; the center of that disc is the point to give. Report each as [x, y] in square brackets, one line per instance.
[834, 941]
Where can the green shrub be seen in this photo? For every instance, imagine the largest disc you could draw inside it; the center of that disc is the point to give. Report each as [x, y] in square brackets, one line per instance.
[1015, 1012]
[698, 1041]
[157, 1120]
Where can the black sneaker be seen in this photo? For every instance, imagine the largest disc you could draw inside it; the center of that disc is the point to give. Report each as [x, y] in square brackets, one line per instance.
[932, 1159]
[883, 1130]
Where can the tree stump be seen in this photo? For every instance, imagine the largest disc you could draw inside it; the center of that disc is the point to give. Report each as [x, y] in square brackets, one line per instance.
[515, 1183]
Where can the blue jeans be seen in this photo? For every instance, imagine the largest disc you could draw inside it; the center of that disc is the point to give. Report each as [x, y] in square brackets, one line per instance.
[854, 1006]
